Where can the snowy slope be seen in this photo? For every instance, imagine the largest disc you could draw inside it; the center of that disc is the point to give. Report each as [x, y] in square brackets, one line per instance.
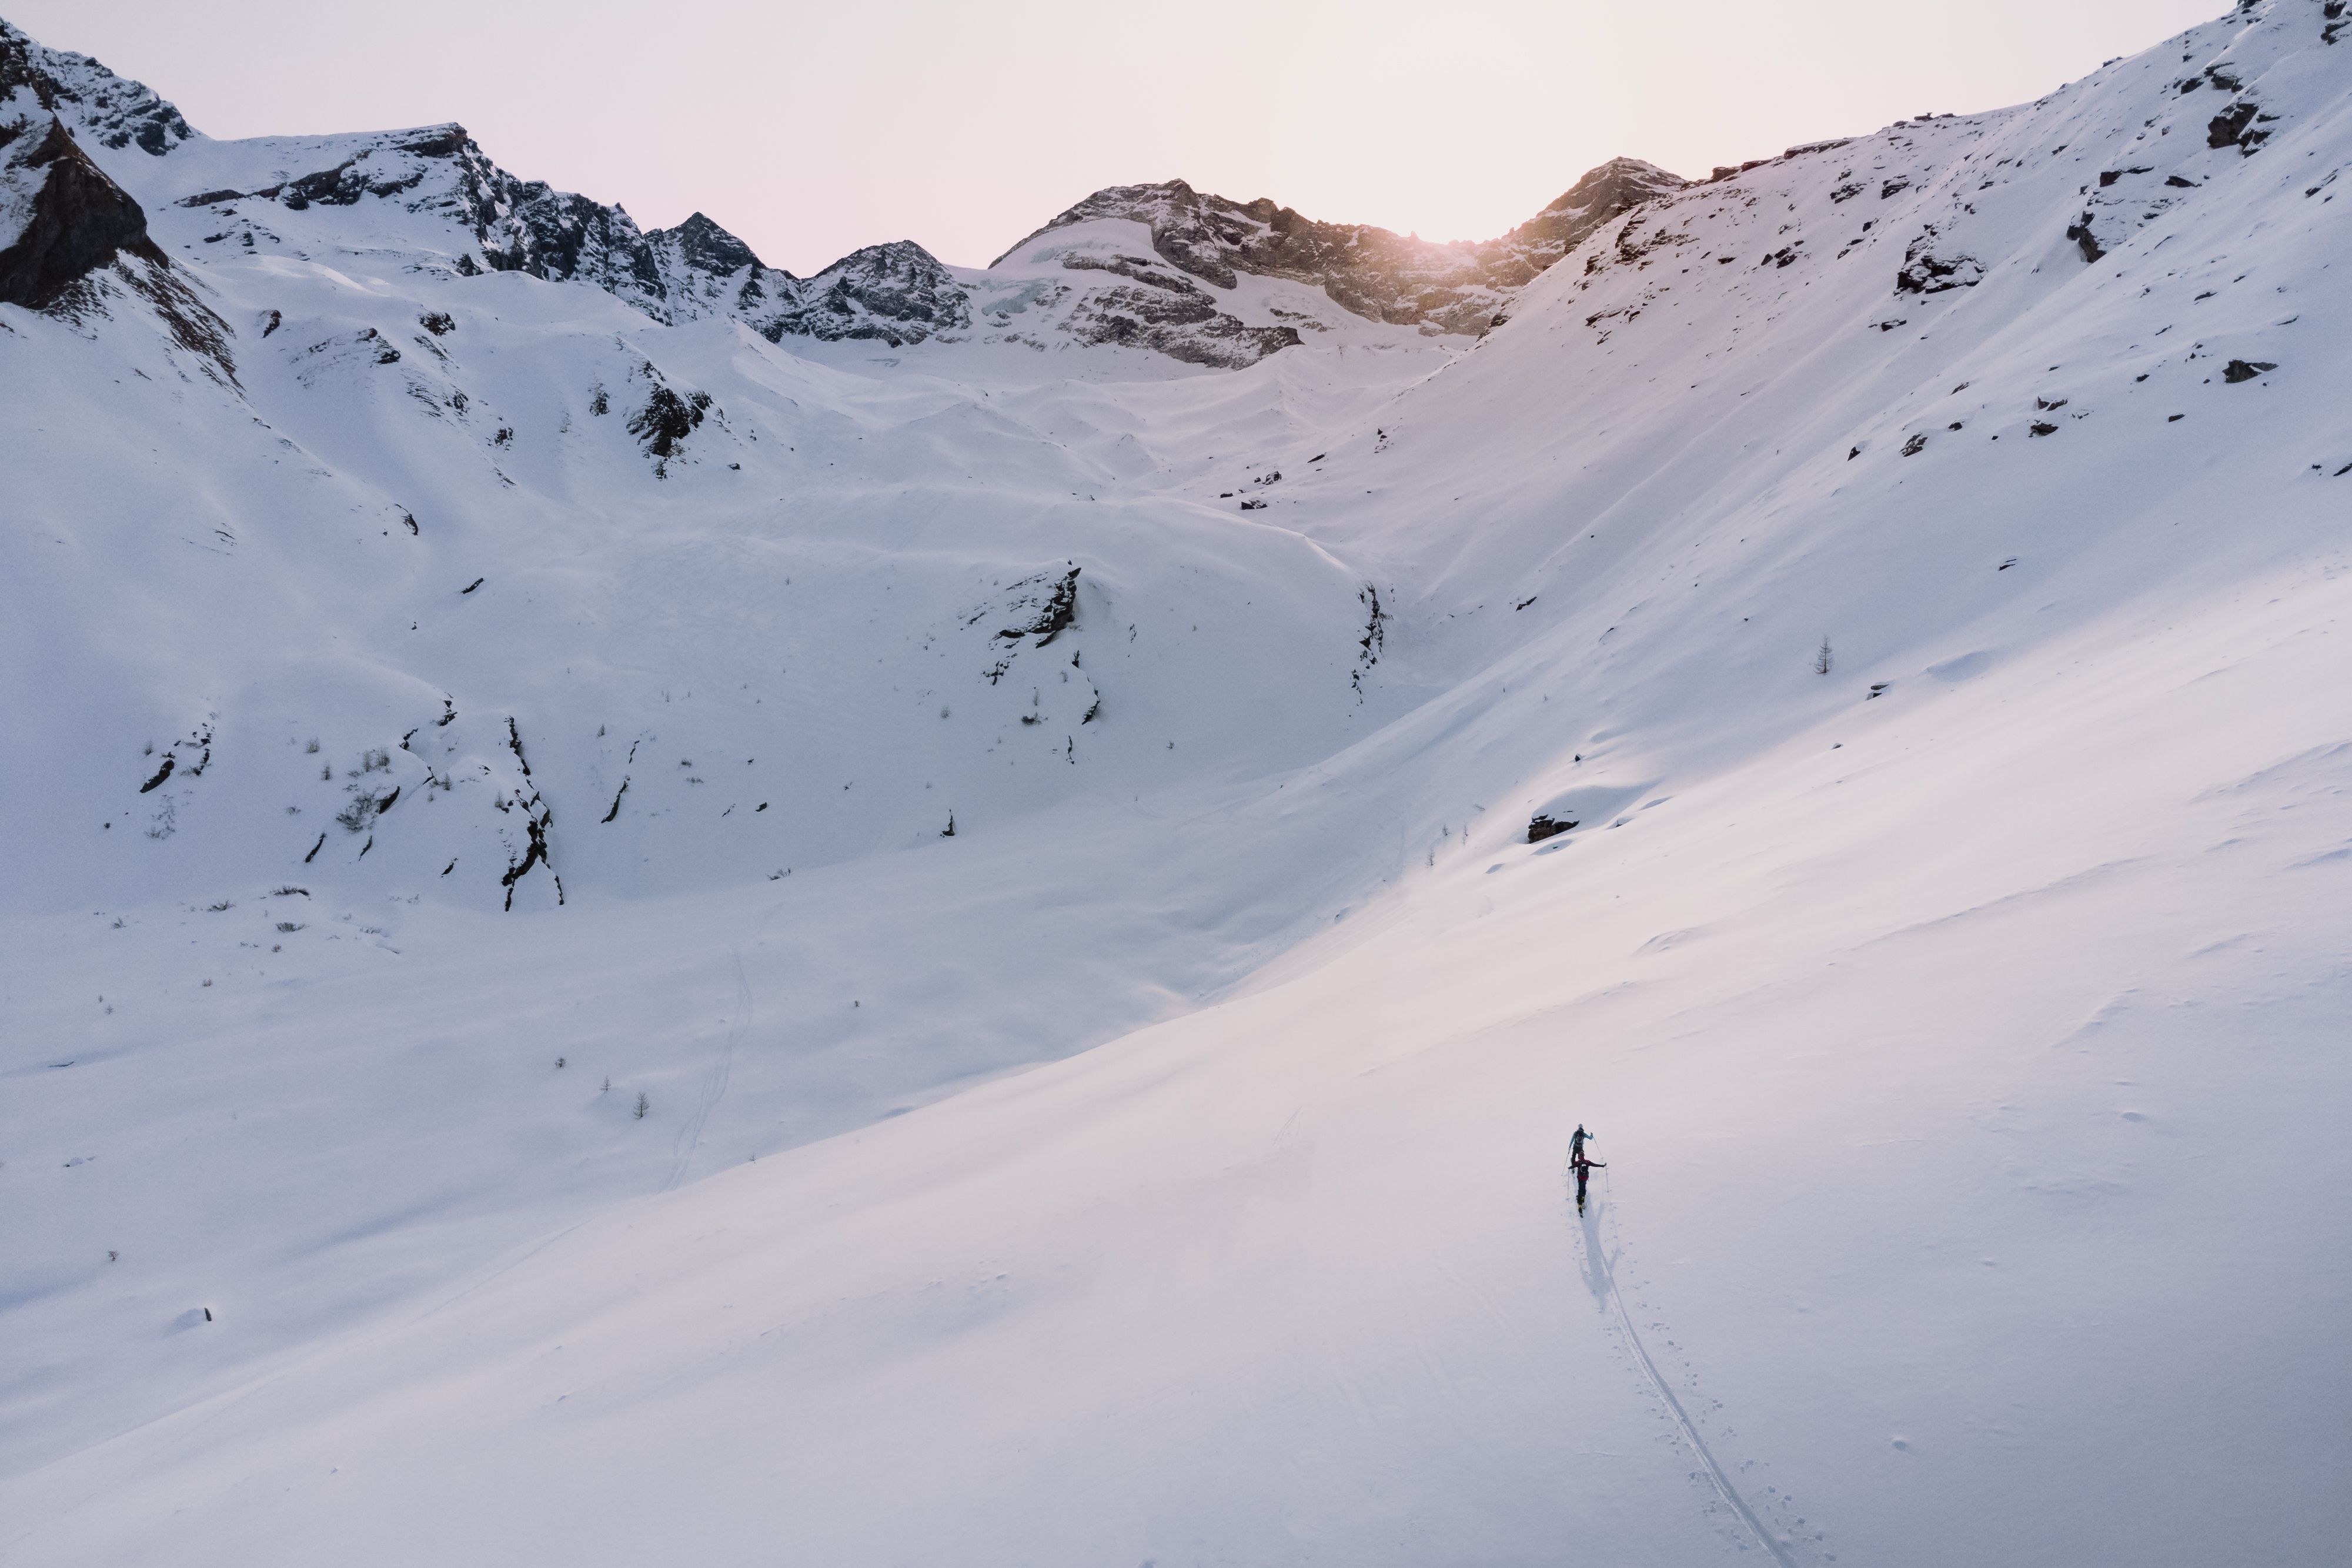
[1962, 1025]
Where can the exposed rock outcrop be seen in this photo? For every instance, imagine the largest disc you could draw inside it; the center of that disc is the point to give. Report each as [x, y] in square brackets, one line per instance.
[1930, 265]
[64, 222]
[1603, 193]
[1174, 316]
[95, 104]
[60, 217]
[897, 293]
[1379, 275]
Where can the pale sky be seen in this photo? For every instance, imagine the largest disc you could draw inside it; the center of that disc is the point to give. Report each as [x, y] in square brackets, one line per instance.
[810, 129]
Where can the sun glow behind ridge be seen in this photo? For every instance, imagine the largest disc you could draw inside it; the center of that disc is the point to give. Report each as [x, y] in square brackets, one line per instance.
[811, 129]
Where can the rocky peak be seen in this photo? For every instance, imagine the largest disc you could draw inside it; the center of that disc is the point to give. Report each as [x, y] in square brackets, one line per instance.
[1192, 232]
[94, 102]
[471, 215]
[896, 293]
[1454, 287]
[706, 271]
[513, 226]
[1605, 193]
[705, 246]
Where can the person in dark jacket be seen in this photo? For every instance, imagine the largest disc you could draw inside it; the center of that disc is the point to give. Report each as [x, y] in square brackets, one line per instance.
[1583, 1169]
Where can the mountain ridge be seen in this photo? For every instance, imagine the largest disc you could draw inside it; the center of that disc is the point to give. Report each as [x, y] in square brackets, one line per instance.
[1455, 286]
[681, 946]
[895, 293]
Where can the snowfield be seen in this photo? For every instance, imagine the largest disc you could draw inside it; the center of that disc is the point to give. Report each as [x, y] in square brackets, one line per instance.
[628, 940]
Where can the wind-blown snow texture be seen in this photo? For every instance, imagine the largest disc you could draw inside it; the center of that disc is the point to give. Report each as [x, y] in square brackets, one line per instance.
[662, 913]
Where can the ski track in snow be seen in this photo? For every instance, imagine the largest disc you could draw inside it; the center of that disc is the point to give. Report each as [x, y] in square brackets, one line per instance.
[1599, 1270]
[714, 1087]
[1981, 933]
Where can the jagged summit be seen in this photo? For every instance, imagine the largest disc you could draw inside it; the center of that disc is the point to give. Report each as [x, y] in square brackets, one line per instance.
[101, 106]
[1605, 192]
[1444, 287]
[432, 193]
[896, 293]
[703, 244]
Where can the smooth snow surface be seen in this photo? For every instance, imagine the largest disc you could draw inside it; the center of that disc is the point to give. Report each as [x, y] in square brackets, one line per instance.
[1168, 1167]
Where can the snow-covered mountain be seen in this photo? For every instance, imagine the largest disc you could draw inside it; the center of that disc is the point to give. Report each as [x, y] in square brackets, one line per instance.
[933, 914]
[434, 193]
[1384, 277]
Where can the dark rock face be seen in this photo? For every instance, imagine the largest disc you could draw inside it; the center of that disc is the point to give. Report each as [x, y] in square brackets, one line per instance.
[1602, 194]
[1381, 275]
[97, 104]
[558, 235]
[391, 166]
[898, 294]
[2080, 233]
[1143, 269]
[705, 247]
[1169, 314]
[706, 271]
[61, 218]
[2233, 127]
[75, 220]
[1218, 341]
[63, 221]
[667, 419]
